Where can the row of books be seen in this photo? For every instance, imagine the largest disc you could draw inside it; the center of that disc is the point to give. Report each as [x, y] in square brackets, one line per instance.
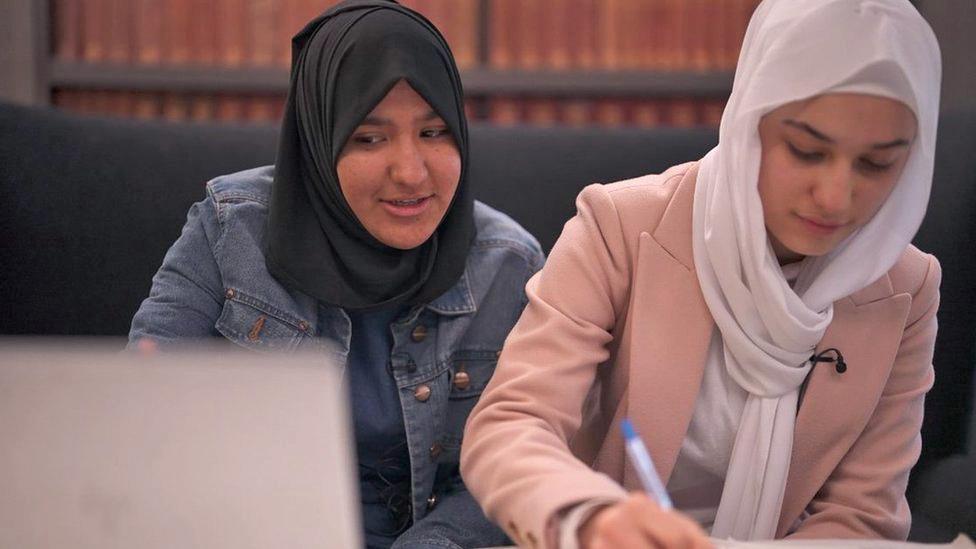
[661, 35]
[678, 112]
[505, 110]
[173, 106]
[225, 33]
[677, 35]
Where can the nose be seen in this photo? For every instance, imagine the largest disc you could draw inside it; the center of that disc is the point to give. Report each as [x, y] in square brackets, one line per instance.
[408, 165]
[833, 192]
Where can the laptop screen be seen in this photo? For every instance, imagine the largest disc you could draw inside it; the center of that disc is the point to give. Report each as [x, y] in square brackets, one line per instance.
[196, 449]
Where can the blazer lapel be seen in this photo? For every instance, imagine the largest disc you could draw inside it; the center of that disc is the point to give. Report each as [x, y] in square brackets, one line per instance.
[836, 407]
[669, 332]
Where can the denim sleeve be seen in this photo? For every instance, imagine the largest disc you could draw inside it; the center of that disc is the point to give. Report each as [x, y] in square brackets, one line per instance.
[186, 296]
[457, 522]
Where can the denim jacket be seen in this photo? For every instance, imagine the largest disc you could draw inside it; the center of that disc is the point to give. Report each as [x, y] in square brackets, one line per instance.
[213, 282]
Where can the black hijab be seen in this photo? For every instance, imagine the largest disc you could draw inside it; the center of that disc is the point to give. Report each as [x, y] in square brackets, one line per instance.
[343, 64]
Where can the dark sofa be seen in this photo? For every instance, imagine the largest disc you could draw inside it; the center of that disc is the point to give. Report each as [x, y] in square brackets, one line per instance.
[88, 207]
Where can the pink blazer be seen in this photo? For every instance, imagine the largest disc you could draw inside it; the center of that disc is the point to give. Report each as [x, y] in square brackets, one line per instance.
[616, 326]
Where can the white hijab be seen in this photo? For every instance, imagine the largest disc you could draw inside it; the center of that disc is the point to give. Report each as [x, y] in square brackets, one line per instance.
[793, 50]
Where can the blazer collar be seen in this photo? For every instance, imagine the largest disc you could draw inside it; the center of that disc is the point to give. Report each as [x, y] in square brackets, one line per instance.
[667, 358]
[673, 232]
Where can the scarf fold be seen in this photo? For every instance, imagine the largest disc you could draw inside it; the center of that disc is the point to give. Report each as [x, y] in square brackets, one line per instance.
[343, 64]
[795, 50]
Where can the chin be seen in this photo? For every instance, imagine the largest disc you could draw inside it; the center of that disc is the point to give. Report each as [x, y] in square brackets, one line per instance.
[405, 242]
[814, 249]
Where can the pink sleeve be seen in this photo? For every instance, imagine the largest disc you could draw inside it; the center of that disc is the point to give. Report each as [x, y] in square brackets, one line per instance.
[515, 457]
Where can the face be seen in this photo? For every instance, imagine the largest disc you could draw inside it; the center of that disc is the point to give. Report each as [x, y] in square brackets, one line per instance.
[399, 169]
[828, 164]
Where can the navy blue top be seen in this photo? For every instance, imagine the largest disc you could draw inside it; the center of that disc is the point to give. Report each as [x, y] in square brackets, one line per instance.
[381, 438]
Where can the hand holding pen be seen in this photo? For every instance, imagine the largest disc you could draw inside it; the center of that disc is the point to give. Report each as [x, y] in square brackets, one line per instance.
[644, 519]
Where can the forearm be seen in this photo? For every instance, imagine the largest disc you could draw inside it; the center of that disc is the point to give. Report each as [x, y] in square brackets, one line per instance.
[516, 456]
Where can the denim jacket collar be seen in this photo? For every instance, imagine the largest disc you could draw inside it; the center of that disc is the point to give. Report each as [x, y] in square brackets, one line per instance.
[456, 301]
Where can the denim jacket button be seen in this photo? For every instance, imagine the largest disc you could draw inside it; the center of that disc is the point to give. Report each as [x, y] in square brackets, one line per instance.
[303, 326]
[436, 450]
[419, 333]
[462, 380]
[422, 393]
[431, 501]
[229, 293]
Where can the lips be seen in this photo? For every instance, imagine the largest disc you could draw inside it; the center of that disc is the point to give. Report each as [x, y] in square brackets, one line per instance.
[407, 206]
[410, 202]
[820, 227]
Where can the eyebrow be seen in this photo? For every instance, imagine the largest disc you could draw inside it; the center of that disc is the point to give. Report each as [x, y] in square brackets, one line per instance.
[381, 121]
[891, 144]
[809, 129]
[827, 139]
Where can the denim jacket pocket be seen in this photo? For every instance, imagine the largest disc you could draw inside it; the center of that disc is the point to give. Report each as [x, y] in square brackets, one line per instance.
[253, 324]
[470, 373]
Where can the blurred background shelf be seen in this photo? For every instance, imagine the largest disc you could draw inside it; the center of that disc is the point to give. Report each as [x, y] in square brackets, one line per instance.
[542, 62]
[189, 78]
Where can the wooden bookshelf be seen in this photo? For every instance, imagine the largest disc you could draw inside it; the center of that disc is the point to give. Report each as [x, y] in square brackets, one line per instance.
[33, 72]
[477, 82]
[596, 83]
[513, 68]
[186, 78]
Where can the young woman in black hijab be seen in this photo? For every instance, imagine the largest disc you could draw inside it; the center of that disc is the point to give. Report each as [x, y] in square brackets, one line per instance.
[363, 241]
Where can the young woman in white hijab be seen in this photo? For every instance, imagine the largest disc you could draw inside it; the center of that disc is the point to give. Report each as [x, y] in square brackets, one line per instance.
[696, 301]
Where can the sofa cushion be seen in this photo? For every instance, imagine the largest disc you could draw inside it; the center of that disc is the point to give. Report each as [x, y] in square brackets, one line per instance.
[534, 174]
[88, 207]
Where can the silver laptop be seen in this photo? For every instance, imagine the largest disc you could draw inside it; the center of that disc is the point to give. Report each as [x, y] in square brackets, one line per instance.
[102, 450]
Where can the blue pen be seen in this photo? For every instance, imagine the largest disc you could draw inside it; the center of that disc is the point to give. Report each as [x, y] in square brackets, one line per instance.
[642, 463]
